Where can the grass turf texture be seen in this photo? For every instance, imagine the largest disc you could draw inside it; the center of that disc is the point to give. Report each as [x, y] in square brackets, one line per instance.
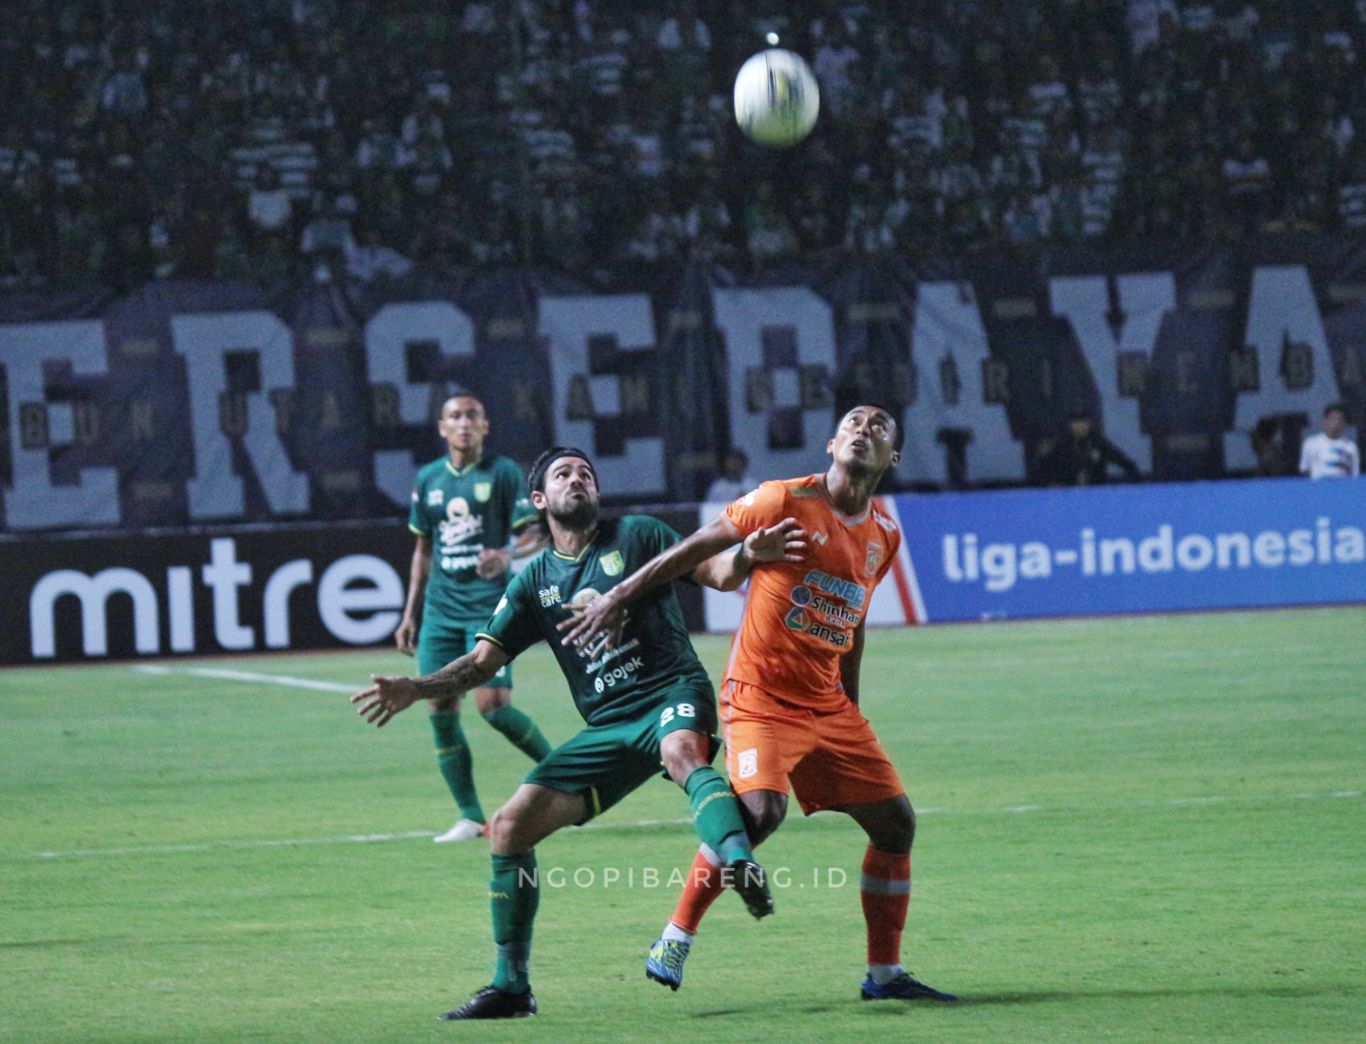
[1131, 829]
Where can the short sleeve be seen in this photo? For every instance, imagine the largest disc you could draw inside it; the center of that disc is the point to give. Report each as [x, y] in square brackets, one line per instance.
[758, 508]
[417, 520]
[1306, 451]
[514, 626]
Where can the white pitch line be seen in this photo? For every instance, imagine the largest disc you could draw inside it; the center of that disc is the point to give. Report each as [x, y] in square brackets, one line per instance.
[223, 674]
[639, 824]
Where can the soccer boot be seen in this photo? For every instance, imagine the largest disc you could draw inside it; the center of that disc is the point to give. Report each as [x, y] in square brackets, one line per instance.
[903, 987]
[464, 830]
[493, 1003]
[751, 883]
[665, 962]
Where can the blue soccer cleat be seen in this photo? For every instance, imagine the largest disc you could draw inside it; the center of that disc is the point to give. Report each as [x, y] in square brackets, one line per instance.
[903, 987]
[665, 962]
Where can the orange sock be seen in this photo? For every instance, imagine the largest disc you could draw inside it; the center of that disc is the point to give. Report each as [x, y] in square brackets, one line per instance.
[886, 893]
[700, 890]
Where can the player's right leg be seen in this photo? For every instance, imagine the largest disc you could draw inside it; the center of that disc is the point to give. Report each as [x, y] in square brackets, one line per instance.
[436, 648]
[494, 700]
[532, 813]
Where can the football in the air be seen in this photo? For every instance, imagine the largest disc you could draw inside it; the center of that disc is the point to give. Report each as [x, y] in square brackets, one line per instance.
[776, 98]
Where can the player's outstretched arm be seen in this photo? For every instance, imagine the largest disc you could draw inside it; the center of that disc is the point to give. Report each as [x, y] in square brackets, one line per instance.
[390, 695]
[726, 571]
[607, 615]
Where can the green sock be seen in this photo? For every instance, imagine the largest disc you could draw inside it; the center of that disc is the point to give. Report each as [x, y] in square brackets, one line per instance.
[514, 893]
[716, 815]
[520, 730]
[453, 755]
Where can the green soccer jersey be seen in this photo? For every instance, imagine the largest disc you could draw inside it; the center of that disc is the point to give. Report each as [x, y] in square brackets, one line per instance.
[462, 511]
[654, 653]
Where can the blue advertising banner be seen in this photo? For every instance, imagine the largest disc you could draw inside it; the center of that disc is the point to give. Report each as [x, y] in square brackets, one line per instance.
[1135, 548]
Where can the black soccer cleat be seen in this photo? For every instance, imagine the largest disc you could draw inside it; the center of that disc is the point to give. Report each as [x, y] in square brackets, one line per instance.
[493, 1003]
[751, 883]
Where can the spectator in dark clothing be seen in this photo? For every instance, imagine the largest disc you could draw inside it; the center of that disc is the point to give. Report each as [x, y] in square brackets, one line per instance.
[1083, 456]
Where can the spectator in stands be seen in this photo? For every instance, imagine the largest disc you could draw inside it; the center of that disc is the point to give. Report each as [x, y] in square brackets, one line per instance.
[1330, 453]
[734, 481]
[1083, 457]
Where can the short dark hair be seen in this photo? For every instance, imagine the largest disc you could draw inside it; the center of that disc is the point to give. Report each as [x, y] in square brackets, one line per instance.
[460, 393]
[898, 433]
[536, 476]
[1338, 407]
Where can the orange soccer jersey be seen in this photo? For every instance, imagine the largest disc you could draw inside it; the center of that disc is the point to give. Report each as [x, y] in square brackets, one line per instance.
[800, 616]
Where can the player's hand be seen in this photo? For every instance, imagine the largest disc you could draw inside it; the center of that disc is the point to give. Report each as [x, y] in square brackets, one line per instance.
[493, 561]
[406, 636]
[784, 542]
[379, 703]
[605, 615]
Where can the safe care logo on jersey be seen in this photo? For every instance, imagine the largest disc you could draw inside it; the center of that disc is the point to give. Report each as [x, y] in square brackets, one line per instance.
[549, 596]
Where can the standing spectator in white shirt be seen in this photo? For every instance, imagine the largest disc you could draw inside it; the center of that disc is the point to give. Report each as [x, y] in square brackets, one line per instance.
[1330, 454]
[733, 482]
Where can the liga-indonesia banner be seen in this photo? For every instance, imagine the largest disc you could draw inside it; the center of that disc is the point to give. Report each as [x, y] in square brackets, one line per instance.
[208, 403]
[1009, 554]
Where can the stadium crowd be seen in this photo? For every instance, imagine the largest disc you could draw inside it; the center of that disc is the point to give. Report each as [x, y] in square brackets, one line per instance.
[265, 139]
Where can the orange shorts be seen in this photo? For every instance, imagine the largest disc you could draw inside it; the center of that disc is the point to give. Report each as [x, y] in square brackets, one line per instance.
[828, 758]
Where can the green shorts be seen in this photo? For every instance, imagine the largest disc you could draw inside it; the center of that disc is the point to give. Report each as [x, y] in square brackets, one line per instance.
[439, 644]
[604, 763]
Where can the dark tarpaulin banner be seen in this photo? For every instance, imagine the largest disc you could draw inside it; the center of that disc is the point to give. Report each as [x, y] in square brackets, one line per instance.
[207, 403]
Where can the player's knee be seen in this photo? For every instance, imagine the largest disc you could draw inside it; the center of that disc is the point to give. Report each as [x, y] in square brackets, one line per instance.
[682, 753]
[764, 817]
[895, 832]
[503, 830]
[490, 701]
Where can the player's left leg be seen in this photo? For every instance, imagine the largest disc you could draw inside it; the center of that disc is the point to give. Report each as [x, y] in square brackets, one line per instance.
[494, 701]
[533, 813]
[885, 893]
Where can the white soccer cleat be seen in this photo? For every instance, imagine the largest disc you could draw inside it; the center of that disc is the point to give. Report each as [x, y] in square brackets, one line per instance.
[464, 830]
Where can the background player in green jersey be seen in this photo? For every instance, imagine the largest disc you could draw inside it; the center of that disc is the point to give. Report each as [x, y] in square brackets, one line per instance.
[647, 701]
[466, 507]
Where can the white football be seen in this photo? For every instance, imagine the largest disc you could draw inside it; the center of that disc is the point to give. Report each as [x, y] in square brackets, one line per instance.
[776, 98]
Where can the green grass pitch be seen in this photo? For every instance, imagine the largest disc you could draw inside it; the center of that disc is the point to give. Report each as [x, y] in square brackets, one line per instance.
[1137, 829]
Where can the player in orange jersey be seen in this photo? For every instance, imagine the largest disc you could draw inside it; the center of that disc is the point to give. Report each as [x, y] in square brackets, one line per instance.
[789, 701]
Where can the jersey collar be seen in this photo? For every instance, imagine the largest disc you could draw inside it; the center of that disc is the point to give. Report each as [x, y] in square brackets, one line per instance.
[461, 472]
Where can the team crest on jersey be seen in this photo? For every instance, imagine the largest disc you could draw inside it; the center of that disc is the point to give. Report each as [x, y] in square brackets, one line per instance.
[873, 560]
[612, 563]
[435, 497]
[748, 762]
[482, 491]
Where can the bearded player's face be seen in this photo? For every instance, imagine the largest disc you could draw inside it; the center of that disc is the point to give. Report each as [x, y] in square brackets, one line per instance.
[570, 494]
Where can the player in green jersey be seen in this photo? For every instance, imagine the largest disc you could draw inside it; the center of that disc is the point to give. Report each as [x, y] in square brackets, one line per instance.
[647, 702]
[466, 507]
